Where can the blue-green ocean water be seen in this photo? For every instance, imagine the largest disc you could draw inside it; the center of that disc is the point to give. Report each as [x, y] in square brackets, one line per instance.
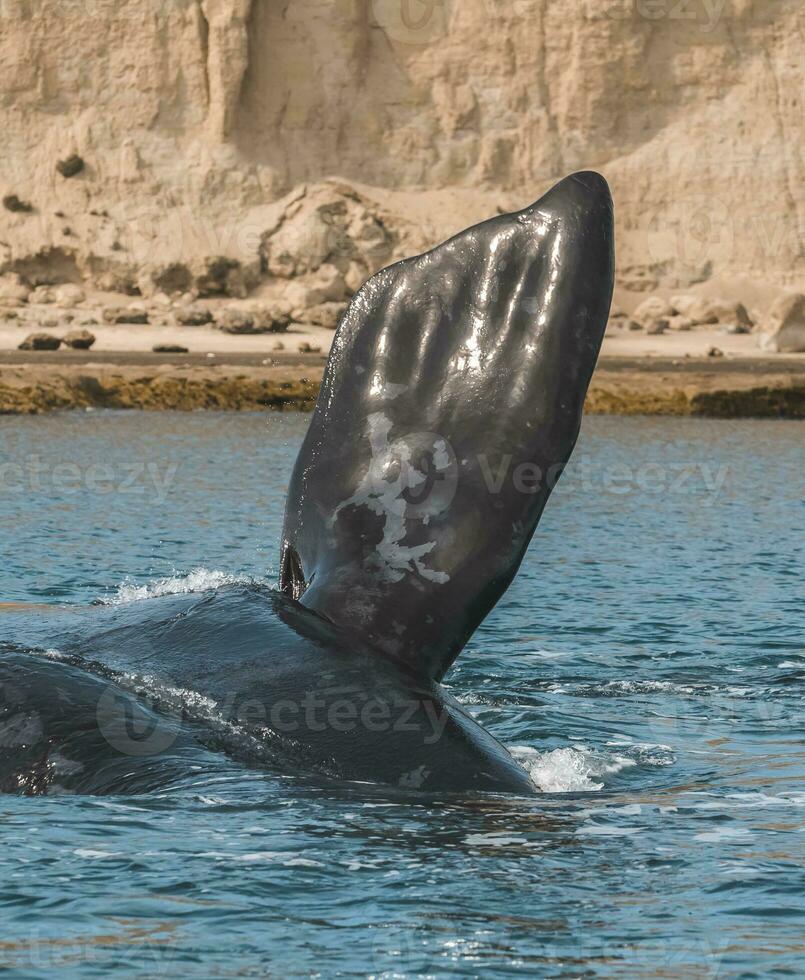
[646, 666]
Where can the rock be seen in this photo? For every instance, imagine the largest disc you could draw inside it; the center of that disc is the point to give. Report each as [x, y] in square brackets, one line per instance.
[737, 328]
[174, 277]
[330, 223]
[116, 314]
[269, 319]
[729, 311]
[326, 315]
[256, 319]
[679, 324]
[169, 349]
[10, 315]
[42, 295]
[325, 285]
[117, 282]
[784, 327]
[79, 339]
[40, 341]
[715, 352]
[633, 325]
[193, 316]
[697, 309]
[683, 302]
[68, 295]
[306, 348]
[701, 311]
[355, 276]
[71, 166]
[235, 321]
[13, 290]
[637, 279]
[653, 308]
[12, 203]
[220, 276]
[278, 346]
[656, 326]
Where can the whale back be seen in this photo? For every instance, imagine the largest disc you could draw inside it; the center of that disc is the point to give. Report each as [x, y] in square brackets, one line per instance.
[142, 695]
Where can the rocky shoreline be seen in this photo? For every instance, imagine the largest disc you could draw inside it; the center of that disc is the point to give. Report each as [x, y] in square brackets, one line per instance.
[37, 383]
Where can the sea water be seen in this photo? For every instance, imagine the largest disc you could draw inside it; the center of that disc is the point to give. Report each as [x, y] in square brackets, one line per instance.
[646, 667]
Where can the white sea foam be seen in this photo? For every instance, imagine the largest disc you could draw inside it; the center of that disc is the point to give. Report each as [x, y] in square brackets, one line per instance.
[579, 769]
[568, 770]
[196, 580]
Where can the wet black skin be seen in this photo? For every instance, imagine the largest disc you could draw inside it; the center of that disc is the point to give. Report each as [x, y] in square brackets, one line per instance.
[279, 687]
[408, 514]
[487, 342]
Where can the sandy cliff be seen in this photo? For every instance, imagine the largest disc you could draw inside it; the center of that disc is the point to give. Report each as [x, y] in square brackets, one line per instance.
[189, 145]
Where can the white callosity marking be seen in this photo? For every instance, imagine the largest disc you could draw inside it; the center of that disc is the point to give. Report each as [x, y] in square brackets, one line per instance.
[415, 778]
[385, 389]
[384, 495]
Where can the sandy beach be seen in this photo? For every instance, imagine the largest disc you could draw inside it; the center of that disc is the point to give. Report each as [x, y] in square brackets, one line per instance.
[672, 374]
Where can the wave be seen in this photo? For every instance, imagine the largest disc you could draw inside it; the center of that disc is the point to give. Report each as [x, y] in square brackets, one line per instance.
[196, 580]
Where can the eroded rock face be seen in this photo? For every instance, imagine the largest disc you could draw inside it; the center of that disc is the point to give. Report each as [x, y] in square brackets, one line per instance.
[784, 328]
[68, 295]
[330, 226]
[194, 155]
[13, 290]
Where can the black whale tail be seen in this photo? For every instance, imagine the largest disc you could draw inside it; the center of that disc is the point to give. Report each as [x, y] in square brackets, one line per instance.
[451, 402]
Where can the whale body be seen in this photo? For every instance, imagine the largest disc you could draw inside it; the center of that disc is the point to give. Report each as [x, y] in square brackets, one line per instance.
[451, 402]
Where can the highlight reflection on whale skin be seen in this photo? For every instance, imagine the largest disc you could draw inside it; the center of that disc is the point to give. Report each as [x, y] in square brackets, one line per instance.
[451, 402]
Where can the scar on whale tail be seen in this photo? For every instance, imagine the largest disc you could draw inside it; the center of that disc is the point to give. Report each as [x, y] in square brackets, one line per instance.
[450, 404]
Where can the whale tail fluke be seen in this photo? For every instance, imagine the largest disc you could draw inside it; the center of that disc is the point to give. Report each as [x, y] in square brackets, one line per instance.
[451, 401]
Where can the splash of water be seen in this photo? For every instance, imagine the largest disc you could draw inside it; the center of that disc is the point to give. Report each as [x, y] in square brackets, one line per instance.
[197, 580]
